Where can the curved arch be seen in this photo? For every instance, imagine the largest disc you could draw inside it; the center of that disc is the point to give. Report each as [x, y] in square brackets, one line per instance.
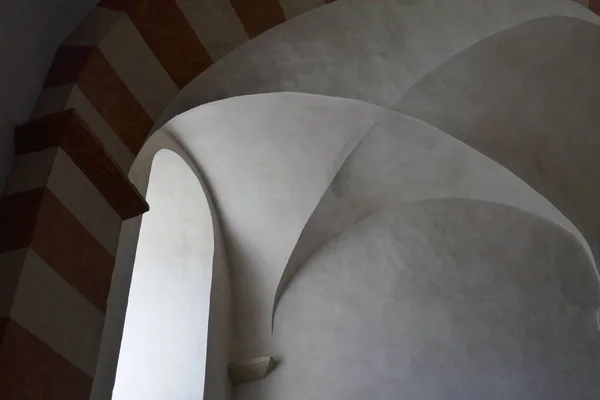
[382, 47]
[216, 283]
[299, 143]
[296, 143]
[253, 136]
[172, 277]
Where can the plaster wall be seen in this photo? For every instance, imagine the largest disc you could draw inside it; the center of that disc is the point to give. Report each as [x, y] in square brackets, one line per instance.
[374, 52]
[30, 33]
[371, 51]
[440, 299]
[529, 106]
[288, 171]
[403, 159]
[392, 50]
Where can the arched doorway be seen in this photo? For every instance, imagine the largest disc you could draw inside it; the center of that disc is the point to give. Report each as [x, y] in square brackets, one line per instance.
[163, 350]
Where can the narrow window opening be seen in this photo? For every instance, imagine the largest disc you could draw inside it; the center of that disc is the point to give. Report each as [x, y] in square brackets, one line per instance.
[163, 351]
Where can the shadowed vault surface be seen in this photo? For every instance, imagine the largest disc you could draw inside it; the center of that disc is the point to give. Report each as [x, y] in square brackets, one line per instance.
[530, 106]
[445, 298]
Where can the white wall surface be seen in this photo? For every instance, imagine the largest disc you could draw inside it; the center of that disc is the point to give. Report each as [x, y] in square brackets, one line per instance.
[284, 169]
[380, 51]
[376, 52]
[530, 106]
[163, 351]
[440, 299]
[30, 33]
[267, 160]
[287, 171]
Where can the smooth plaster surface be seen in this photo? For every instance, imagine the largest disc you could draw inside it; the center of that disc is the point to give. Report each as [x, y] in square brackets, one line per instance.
[440, 299]
[267, 160]
[30, 33]
[270, 160]
[531, 107]
[373, 52]
[403, 159]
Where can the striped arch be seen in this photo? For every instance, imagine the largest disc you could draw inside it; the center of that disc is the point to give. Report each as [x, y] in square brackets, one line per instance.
[128, 59]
